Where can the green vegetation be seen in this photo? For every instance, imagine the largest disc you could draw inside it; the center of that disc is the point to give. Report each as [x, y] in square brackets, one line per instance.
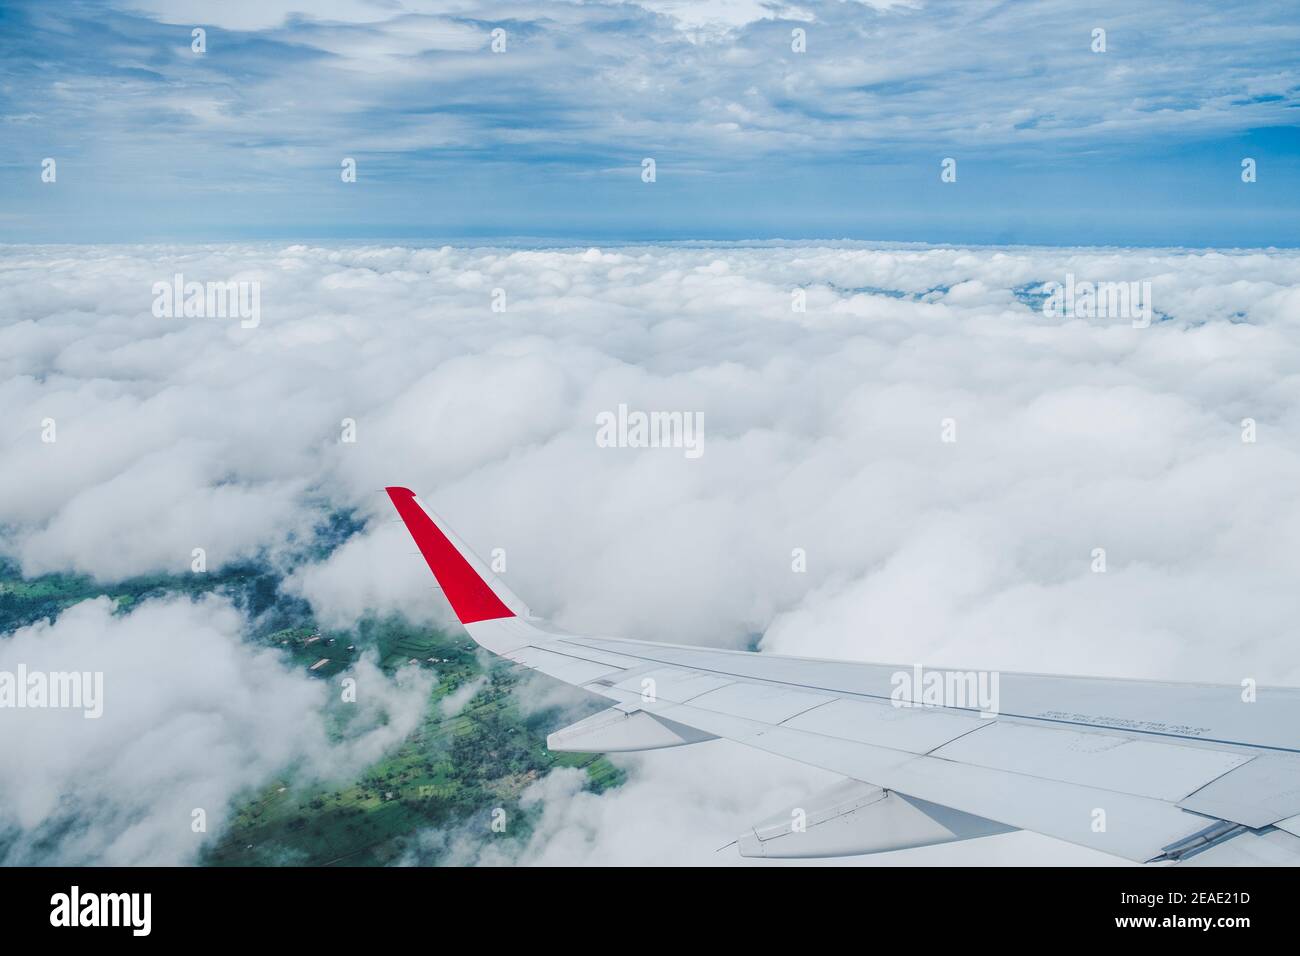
[451, 773]
[252, 586]
[254, 589]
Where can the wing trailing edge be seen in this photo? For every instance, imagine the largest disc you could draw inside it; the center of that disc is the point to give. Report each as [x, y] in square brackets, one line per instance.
[853, 819]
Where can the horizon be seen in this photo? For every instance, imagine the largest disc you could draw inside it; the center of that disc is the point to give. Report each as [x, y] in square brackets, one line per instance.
[525, 243]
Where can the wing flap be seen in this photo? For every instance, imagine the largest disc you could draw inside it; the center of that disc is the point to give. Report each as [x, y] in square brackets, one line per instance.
[915, 730]
[1103, 760]
[571, 670]
[672, 683]
[766, 703]
[1261, 792]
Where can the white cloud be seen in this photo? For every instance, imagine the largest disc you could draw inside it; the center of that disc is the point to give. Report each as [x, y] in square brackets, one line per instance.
[878, 77]
[455, 702]
[822, 433]
[253, 15]
[371, 573]
[719, 16]
[192, 718]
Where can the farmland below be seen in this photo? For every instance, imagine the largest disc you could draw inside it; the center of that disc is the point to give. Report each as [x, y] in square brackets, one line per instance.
[478, 746]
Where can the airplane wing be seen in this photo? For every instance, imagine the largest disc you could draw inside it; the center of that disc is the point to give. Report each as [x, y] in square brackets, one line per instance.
[1148, 771]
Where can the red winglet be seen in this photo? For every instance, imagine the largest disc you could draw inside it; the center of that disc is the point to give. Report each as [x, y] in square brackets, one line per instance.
[469, 594]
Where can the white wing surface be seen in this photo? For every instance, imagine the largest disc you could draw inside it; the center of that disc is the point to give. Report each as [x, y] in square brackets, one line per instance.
[1145, 770]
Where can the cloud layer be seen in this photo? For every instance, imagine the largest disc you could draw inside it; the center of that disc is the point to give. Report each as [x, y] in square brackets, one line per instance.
[192, 718]
[823, 433]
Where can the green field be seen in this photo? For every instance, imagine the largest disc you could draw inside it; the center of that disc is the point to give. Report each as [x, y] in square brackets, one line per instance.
[450, 774]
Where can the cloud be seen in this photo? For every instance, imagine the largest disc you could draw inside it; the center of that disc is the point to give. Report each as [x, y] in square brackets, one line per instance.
[751, 137]
[192, 719]
[823, 432]
[369, 574]
[843, 93]
[455, 702]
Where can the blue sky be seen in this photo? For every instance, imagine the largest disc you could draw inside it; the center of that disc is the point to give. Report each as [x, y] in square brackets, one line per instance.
[1055, 144]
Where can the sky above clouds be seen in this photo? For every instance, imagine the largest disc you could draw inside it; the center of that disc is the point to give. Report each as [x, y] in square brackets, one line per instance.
[1055, 144]
[822, 431]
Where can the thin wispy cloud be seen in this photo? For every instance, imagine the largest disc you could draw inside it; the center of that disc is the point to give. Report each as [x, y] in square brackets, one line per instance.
[458, 132]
